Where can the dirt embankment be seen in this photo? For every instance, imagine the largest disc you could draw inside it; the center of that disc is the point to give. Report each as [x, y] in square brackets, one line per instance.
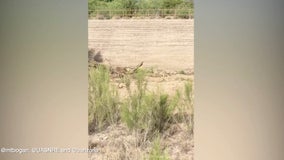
[160, 43]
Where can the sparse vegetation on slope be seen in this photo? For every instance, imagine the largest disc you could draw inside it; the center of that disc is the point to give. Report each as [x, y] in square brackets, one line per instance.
[149, 114]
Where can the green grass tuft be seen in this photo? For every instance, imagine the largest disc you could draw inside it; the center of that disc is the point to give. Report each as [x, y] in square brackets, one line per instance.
[156, 152]
[103, 99]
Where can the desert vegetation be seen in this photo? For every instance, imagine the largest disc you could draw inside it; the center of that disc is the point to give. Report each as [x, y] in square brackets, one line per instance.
[140, 82]
[141, 123]
[108, 9]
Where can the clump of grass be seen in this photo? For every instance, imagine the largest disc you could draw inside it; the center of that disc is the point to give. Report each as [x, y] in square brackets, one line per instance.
[184, 112]
[188, 91]
[156, 152]
[147, 111]
[103, 99]
[185, 107]
[163, 111]
[134, 108]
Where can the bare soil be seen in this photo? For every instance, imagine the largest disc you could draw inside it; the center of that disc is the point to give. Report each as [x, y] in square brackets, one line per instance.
[160, 43]
[166, 47]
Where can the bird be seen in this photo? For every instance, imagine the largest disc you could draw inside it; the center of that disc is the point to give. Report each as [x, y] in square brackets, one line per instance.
[138, 66]
[95, 56]
[98, 57]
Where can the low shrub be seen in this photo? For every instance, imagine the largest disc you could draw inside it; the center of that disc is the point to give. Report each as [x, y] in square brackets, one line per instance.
[103, 99]
[147, 111]
[156, 152]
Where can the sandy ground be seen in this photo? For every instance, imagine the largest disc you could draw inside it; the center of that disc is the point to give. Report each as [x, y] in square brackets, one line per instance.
[161, 43]
[164, 45]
